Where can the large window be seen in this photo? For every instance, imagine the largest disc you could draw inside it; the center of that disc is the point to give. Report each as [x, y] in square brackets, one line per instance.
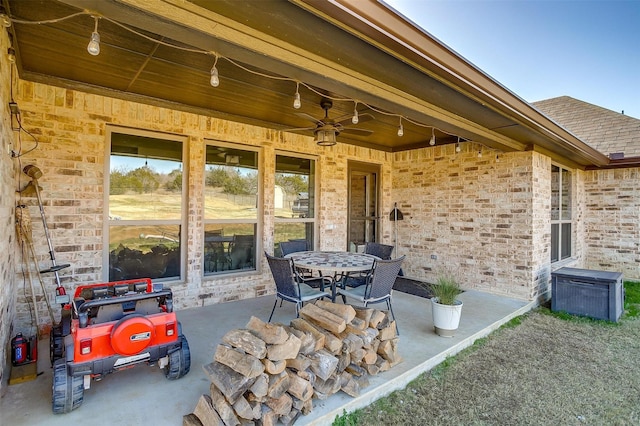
[560, 213]
[295, 196]
[145, 204]
[230, 209]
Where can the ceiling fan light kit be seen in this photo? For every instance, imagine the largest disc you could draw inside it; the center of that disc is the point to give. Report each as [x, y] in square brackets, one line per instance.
[326, 137]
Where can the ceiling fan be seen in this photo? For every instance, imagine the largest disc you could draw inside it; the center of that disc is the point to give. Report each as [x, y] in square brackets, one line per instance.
[327, 129]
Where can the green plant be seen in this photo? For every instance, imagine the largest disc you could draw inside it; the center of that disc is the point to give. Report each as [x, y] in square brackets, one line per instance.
[446, 288]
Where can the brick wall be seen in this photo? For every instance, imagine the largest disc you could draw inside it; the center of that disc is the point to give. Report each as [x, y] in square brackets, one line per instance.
[8, 287]
[612, 221]
[70, 127]
[474, 214]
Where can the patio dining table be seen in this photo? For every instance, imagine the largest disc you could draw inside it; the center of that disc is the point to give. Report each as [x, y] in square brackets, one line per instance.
[339, 262]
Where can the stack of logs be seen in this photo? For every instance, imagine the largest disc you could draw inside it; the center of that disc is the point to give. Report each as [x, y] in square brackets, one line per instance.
[269, 373]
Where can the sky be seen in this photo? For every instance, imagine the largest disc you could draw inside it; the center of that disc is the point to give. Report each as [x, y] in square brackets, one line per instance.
[541, 49]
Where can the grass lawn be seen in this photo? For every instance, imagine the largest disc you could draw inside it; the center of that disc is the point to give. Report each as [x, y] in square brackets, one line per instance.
[542, 368]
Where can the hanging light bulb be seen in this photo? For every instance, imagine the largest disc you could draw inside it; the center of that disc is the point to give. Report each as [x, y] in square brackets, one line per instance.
[400, 128]
[11, 53]
[479, 153]
[458, 149]
[215, 78]
[296, 102]
[355, 118]
[5, 21]
[432, 142]
[94, 45]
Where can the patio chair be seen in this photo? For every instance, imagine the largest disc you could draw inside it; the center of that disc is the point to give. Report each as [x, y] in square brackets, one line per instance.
[378, 284]
[288, 247]
[290, 286]
[383, 251]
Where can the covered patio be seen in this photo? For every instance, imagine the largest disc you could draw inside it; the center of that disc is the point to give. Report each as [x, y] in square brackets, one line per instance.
[140, 396]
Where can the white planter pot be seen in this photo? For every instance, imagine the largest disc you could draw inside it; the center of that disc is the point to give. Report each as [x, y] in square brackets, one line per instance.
[446, 318]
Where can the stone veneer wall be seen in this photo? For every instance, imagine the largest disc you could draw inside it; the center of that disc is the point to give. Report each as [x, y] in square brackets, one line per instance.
[612, 221]
[70, 128]
[8, 286]
[486, 217]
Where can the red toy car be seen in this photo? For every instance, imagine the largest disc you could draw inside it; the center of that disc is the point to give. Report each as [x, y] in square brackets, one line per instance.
[110, 327]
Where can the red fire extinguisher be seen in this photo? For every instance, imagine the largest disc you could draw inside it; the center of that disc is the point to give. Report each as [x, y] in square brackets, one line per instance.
[19, 350]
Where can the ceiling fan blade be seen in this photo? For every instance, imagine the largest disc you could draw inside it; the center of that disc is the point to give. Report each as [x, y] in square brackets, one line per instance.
[298, 129]
[355, 131]
[310, 118]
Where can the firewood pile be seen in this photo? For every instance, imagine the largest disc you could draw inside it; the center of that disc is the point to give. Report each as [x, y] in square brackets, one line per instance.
[270, 373]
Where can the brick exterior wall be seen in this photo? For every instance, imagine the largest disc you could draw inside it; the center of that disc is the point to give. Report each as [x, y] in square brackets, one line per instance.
[612, 221]
[8, 286]
[71, 126]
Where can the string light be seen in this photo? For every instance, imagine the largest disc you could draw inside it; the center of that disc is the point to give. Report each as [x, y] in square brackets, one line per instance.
[215, 78]
[458, 148]
[11, 53]
[355, 118]
[94, 45]
[432, 142]
[296, 102]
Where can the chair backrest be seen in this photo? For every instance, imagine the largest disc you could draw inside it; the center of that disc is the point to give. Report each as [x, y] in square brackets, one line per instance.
[282, 271]
[287, 247]
[383, 277]
[383, 251]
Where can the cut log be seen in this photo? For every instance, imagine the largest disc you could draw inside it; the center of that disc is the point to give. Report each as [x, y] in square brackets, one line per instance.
[376, 318]
[369, 335]
[389, 332]
[307, 341]
[224, 409]
[382, 364]
[281, 405]
[272, 334]
[192, 420]
[363, 313]
[330, 342]
[303, 325]
[269, 417]
[357, 355]
[346, 312]
[323, 364]
[358, 323]
[299, 387]
[300, 363]
[231, 383]
[351, 342]
[274, 367]
[290, 418]
[352, 386]
[389, 351]
[245, 364]
[370, 357]
[260, 386]
[247, 341]
[327, 387]
[355, 370]
[286, 350]
[322, 318]
[344, 359]
[372, 369]
[206, 413]
[278, 384]
[243, 409]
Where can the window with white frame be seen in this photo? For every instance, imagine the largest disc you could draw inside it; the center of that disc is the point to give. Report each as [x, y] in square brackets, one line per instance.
[231, 210]
[146, 206]
[561, 222]
[294, 200]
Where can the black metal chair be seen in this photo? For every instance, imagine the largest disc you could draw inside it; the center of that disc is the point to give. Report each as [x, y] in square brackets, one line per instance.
[290, 285]
[288, 247]
[378, 284]
[383, 251]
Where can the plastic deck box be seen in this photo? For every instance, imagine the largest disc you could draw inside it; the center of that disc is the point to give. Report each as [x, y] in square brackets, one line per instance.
[595, 294]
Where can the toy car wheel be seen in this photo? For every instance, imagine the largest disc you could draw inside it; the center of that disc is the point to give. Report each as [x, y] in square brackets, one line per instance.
[132, 334]
[56, 344]
[67, 391]
[179, 361]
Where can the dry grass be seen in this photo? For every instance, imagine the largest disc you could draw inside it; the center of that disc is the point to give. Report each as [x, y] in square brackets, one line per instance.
[544, 370]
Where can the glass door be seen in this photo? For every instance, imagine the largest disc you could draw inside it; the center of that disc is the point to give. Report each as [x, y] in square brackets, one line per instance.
[363, 215]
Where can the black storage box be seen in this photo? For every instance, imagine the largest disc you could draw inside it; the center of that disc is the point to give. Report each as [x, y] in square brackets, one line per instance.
[595, 294]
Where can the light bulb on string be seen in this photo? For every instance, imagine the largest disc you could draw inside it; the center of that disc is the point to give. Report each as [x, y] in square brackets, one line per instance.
[432, 142]
[458, 149]
[355, 118]
[296, 101]
[94, 44]
[400, 128]
[215, 78]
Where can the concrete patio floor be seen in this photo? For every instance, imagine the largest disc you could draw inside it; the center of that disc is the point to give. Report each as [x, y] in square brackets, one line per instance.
[142, 395]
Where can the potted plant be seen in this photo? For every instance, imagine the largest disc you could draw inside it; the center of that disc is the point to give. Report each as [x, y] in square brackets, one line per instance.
[445, 305]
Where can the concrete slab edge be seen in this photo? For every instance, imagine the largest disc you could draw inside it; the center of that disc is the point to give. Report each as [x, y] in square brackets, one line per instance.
[401, 381]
